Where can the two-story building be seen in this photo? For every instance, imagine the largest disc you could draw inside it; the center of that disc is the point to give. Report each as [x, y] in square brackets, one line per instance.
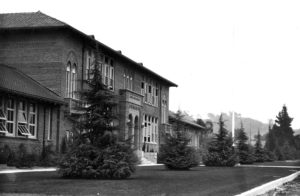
[60, 58]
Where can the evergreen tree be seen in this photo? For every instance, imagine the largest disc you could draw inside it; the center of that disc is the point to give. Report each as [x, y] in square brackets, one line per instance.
[259, 153]
[220, 150]
[243, 150]
[97, 151]
[176, 153]
[280, 138]
[283, 128]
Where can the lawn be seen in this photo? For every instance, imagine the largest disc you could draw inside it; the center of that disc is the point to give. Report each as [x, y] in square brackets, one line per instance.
[152, 180]
[281, 163]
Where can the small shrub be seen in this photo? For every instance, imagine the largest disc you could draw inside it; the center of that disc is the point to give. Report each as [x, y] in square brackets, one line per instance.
[4, 154]
[22, 158]
[223, 158]
[49, 157]
[177, 155]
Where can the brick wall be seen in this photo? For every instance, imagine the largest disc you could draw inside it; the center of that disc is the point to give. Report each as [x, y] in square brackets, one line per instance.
[34, 145]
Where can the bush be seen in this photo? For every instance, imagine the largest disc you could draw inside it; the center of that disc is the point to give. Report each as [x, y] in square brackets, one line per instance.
[177, 155]
[49, 157]
[246, 157]
[215, 157]
[4, 154]
[270, 156]
[87, 161]
[21, 158]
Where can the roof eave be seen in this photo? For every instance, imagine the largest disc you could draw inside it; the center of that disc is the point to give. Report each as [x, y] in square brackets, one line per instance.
[61, 102]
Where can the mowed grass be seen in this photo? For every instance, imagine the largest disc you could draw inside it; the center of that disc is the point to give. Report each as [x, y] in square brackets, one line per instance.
[152, 180]
[280, 163]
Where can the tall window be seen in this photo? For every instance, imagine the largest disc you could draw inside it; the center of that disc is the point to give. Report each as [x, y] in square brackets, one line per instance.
[32, 119]
[11, 111]
[164, 110]
[48, 119]
[3, 117]
[90, 62]
[22, 119]
[150, 92]
[128, 80]
[150, 129]
[71, 78]
[68, 77]
[108, 72]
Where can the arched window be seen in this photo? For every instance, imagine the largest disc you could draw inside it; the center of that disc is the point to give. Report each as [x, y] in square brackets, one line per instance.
[74, 79]
[71, 77]
[68, 77]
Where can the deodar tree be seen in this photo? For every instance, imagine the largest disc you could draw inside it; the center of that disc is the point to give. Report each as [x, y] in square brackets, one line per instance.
[98, 151]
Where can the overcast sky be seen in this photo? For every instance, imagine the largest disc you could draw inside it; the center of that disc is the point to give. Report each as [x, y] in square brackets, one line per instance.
[224, 55]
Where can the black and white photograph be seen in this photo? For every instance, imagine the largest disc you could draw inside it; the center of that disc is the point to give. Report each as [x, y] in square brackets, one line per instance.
[150, 98]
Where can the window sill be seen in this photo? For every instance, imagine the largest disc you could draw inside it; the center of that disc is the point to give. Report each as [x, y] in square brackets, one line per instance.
[21, 138]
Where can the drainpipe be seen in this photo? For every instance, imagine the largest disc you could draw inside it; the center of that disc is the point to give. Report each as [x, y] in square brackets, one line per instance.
[57, 128]
[82, 66]
[44, 132]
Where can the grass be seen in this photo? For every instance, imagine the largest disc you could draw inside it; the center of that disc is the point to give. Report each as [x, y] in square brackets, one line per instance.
[154, 180]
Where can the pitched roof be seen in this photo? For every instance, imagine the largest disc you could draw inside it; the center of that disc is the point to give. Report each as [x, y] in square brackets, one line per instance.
[14, 81]
[186, 119]
[28, 20]
[40, 20]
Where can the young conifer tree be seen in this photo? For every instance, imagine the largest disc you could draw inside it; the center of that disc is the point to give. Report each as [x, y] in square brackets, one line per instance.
[176, 153]
[259, 152]
[243, 150]
[98, 152]
[220, 150]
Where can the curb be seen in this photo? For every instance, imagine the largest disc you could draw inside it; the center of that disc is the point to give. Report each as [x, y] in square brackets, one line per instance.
[270, 185]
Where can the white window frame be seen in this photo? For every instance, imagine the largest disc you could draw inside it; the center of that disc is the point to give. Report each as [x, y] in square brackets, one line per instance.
[13, 121]
[3, 117]
[68, 78]
[73, 81]
[35, 120]
[48, 126]
[22, 120]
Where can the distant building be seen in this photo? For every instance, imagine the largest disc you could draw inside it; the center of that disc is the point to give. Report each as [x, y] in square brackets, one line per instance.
[60, 58]
[196, 132]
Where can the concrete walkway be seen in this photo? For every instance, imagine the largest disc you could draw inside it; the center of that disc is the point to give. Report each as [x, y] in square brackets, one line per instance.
[15, 170]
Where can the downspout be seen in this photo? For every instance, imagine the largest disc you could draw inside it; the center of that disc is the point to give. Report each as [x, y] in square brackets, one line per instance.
[57, 128]
[82, 65]
[44, 132]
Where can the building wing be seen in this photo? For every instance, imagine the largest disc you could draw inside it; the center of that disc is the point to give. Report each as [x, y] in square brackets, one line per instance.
[14, 81]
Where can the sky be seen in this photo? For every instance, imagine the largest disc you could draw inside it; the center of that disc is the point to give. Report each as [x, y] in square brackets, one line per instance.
[240, 56]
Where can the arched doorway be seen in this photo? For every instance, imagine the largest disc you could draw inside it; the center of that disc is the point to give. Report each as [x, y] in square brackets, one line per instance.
[136, 131]
[129, 130]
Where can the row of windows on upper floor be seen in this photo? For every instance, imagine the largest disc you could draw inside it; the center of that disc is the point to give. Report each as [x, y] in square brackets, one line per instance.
[149, 89]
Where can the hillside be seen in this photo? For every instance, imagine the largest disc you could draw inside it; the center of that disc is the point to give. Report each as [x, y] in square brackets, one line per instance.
[251, 125]
[297, 132]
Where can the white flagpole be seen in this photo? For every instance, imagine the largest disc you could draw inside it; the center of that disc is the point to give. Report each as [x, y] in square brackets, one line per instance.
[233, 127]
